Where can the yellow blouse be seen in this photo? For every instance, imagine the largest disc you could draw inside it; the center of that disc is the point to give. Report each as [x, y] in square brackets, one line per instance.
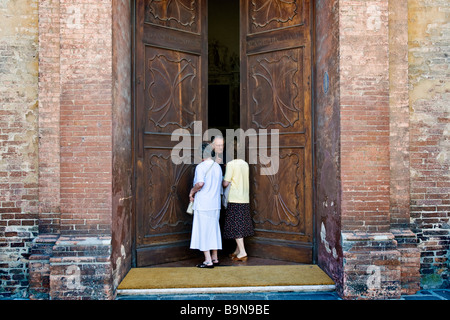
[237, 172]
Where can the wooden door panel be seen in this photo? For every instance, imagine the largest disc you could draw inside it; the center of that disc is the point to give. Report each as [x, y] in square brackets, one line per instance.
[276, 86]
[279, 199]
[275, 40]
[177, 14]
[172, 39]
[172, 98]
[167, 186]
[164, 226]
[170, 72]
[265, 15]
[275, 94]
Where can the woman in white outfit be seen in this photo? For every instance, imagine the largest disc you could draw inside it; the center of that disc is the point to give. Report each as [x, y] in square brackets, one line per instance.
[206, 193]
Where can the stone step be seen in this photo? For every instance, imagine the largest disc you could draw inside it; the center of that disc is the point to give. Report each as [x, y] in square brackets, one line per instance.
[306, 292]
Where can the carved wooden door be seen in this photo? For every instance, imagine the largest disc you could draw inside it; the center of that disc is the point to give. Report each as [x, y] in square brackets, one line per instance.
[276, 94]
[170, 93]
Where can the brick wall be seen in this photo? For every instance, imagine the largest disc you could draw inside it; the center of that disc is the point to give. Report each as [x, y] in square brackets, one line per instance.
[85, 132]
[399, 144]
[49, 117]
[71, 258]
[399, 114]
[380, 252]
[364, 119]
[86, 122]
[82, 200]
[429, 100]
[18, 142]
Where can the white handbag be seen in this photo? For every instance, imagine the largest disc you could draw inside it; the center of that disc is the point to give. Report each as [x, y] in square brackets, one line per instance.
[190, 208]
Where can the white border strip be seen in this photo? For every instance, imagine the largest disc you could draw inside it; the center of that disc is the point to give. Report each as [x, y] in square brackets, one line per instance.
[309, 288]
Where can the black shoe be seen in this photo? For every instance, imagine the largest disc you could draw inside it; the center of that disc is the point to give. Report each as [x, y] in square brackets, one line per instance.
[216, 263]
[203, 265]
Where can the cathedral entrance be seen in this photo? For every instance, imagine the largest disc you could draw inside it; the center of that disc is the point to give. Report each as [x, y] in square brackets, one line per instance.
[237, 65]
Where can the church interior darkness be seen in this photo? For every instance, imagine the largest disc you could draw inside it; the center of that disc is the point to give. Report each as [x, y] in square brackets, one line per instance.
[223, 64]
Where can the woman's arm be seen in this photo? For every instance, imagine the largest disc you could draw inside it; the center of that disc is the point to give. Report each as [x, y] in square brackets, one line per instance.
[198, 186]
[228, 175]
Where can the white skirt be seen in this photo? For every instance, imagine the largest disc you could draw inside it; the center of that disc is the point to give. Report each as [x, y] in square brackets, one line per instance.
[206, 231]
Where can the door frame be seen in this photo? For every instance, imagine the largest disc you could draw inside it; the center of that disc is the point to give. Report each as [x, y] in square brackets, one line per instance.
[133, 134]
[133, 228]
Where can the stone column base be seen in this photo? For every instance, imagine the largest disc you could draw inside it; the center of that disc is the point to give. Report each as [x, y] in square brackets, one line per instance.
[409, 260]
[380, 265]
[371, 266]
[39, 266]
[72, 268]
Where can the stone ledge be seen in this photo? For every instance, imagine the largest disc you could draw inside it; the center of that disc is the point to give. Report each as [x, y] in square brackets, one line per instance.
[366, 236]
[308, 288]
[84, 241]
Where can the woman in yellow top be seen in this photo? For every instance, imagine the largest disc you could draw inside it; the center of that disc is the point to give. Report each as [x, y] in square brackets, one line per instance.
[238, 222]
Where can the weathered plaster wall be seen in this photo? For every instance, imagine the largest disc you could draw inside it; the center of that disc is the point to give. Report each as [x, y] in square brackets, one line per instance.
[18, 141]
[327, 202]
[399, 145]
[429, 101]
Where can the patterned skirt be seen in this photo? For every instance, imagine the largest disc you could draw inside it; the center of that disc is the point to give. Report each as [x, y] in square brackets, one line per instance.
[238, 222]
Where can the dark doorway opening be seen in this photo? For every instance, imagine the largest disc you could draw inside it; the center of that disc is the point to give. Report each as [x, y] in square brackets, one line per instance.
[223, 77]
[223, 64]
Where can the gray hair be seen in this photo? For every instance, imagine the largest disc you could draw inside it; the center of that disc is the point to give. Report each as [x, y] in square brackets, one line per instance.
[206, 151]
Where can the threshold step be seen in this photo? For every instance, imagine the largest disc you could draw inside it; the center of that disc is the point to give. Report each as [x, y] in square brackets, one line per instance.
[215, 290]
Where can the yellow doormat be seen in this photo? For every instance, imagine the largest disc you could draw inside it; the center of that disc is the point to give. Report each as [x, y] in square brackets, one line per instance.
[248, 276]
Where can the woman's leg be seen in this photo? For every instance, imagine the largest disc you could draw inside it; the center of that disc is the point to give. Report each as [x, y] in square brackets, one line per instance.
[208, 260]
[240, 248]
[214, 257]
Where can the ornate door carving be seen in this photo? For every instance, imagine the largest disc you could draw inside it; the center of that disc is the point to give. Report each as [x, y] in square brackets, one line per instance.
[276, 94]
[170, 93]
